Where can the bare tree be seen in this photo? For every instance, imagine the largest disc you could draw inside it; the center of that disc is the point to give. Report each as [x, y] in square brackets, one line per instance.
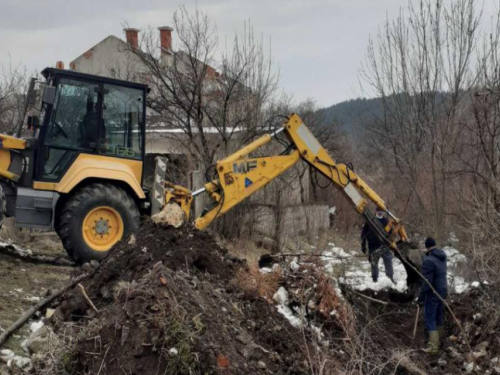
[207, 105]
[422, 68]
[13, 85]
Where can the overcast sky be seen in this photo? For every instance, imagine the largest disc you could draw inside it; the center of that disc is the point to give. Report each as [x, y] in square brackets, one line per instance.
[319, 44]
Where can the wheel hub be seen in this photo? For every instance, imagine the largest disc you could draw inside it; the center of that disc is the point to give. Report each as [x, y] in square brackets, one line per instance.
[102, 228]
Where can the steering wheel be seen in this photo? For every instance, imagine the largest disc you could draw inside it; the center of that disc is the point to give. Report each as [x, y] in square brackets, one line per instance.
[60, 130]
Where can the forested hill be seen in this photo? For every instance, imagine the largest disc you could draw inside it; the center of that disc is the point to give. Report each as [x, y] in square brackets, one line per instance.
[351, 114]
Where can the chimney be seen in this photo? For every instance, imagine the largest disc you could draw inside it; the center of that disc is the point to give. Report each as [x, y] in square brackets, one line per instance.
[132, 37]
[166, 39]
[59, 65]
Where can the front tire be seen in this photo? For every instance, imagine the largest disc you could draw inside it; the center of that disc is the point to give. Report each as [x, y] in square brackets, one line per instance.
[95, 219]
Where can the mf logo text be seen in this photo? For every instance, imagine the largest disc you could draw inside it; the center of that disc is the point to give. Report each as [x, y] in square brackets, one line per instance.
[244, 167]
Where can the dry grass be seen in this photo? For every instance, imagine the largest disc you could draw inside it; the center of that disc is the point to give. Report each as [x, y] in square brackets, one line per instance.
[255, 282]
[330, 301]
[244, 249]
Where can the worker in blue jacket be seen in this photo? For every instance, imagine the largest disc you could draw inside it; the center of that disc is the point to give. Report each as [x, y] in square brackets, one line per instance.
[434, 285]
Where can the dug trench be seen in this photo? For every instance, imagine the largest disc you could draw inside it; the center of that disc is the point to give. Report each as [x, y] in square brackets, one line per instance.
[172, 301]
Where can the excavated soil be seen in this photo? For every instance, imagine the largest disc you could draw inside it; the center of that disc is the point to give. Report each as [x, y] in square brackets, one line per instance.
[167, 305]
[173, 301]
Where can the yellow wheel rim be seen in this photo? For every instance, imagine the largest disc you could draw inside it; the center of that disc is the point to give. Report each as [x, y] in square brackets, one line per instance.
[102, 228]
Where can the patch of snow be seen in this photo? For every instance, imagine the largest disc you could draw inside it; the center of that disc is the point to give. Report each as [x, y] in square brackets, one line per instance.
[358, 275]
[362, 280]
[454, 256]
[453, 238]
[289, 315]
[294, 264]
[35, 326]
[12, 359]
[457, 284]
[475, 284]
[269, 269]
[20, 250]
[281, 298]
[173, 352]
[32, 298]
[332, 210]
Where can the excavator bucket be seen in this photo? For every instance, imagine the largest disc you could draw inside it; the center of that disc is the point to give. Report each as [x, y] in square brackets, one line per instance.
[411, 257]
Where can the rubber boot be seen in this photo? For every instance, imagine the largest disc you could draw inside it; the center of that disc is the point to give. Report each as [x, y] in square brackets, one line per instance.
[433, 347]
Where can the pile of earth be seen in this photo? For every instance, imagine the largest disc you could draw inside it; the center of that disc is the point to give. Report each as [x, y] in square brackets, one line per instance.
[166, 303]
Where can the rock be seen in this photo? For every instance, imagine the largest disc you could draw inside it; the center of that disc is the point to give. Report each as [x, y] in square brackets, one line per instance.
[105, 292]
[125, 334]
[478, 318]
[442, 362]
[480, 350]
[469, 367]
[132, 241]
[261, 365]
[87, 267]
[42, 341]
[94, 263]
[171, 215]
[243, 338]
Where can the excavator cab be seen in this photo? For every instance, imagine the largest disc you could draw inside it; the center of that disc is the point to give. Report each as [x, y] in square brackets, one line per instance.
[77, 165]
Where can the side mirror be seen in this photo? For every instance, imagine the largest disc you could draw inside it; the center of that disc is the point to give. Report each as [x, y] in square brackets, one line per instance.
[49, 95]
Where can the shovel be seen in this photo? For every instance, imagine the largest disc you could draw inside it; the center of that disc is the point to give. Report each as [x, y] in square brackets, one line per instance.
[416, 322]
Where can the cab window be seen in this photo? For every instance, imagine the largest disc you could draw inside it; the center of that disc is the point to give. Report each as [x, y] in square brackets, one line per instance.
[73, 126]
[74, 122]
[122, 116]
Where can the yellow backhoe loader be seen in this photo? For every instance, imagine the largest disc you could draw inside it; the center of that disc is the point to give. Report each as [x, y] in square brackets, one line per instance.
[80, 172]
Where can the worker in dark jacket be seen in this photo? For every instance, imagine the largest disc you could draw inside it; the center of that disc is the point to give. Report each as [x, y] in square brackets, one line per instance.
[376, 248]
[434, 271]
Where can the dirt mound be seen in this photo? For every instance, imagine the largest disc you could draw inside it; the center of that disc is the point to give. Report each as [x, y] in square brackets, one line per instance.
[167, 303]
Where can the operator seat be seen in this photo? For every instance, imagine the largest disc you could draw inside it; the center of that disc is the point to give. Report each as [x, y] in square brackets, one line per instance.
[89, 128]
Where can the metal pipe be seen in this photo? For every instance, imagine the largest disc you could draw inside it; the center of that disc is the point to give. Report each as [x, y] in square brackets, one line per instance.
[248, 149]
[277, 131]
[198, 192]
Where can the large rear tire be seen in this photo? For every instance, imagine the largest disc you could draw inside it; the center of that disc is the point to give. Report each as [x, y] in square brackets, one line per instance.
[95, 219]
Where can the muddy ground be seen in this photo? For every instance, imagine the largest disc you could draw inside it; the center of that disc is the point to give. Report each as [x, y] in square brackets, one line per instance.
[23, 283]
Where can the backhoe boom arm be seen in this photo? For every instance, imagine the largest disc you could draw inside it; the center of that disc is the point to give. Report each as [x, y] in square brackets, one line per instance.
[239, 176]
